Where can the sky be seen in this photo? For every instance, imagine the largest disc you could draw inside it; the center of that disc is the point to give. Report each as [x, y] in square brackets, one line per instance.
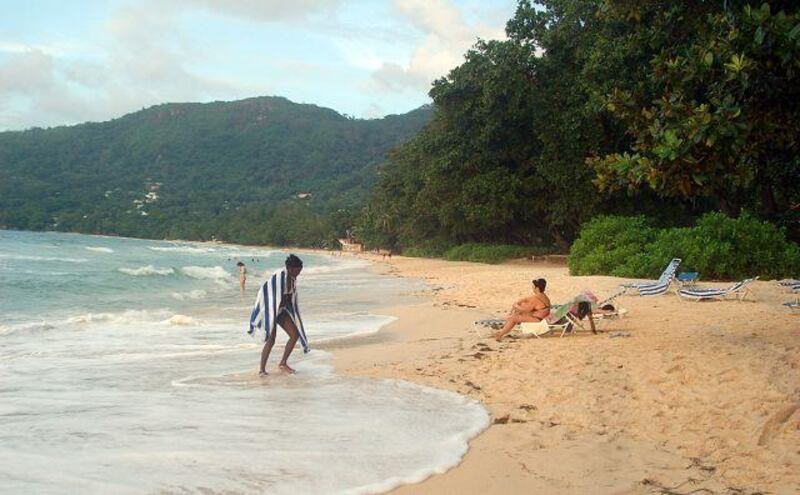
[71, 61]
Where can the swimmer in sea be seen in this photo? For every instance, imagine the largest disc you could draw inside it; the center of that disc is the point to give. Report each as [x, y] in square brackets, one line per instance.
[242, 276]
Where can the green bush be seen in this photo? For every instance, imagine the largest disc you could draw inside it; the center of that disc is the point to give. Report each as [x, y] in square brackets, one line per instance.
[719, 247]
[606, 243]
[490, 253]
[423, 252]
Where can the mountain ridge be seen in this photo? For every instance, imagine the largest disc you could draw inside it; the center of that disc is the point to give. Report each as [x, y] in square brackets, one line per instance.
[208, 164]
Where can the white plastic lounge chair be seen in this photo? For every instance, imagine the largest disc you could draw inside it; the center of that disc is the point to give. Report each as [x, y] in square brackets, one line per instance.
[740, 290]
[559, 319]
[541, 328]
[791, 285]
[658, 287]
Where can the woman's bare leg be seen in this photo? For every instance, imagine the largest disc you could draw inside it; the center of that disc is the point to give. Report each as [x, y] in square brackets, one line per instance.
[265, 354]
[291, 330]
[511, 322]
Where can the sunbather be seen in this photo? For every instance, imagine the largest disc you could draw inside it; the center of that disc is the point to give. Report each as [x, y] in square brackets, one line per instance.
[533, 308]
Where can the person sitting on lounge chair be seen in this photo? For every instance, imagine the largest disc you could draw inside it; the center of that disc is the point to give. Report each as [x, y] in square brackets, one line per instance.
[533, 308]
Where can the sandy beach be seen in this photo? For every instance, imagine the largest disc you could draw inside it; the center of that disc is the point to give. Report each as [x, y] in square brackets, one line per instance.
[699, 398]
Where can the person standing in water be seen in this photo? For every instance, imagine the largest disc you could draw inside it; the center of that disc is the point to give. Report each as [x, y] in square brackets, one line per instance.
[242, 276]
[277, 304]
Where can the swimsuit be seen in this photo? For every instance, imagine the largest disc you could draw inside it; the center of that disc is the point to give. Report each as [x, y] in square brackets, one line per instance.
[286, 305]
[537, 313]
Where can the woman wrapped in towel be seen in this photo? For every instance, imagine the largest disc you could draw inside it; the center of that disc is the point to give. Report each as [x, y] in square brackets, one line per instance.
[276, 304]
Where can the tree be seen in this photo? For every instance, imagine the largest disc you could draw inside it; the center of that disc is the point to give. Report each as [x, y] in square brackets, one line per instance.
[718, 113]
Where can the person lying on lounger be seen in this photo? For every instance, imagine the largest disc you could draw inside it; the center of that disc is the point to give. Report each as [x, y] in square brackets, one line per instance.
[533, 308]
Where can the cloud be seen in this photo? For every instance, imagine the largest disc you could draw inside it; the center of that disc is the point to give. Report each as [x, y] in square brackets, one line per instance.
[374, 111]
[264, 10]
[145, 61]
[148, 52]
[29, 71]
[446, 37]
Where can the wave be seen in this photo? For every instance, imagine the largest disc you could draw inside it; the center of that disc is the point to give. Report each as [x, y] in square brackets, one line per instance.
[186, 296]
[182, 249]
[181, 320]
[26, 327]
[42, 258]
[127, 316]
[146, 270]
[206, 272]
[100, 249]
[312, 270]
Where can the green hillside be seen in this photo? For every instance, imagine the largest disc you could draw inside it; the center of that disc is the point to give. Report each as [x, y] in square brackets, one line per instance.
[232, 170]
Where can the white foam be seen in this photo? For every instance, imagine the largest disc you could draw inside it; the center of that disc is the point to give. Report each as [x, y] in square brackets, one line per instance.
[144, 271]
[190, 295]
[130, 316]
[346, 326]
[42, 258]
[312, 270]
[206, 272]
[100, 249]
[182, 249]
[25, 327]
[181, 320]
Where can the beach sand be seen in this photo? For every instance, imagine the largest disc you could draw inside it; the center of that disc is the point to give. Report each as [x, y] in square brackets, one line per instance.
[700, 398]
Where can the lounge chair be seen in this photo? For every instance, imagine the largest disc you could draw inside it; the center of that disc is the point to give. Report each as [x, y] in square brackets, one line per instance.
[740, 290]
[602, 317]
[561, 318]
[687, 279]
[794, 306]
[658, 287]
[791, 285]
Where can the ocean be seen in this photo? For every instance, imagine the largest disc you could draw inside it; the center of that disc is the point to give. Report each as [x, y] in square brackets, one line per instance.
[125, 367]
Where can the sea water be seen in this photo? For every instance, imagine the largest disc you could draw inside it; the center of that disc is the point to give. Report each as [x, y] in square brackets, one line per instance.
[125, 367]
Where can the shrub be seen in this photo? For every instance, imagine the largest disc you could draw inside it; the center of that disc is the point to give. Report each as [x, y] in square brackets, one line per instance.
[606, 243]
[719, 247]
[490, 253]
[423, 252]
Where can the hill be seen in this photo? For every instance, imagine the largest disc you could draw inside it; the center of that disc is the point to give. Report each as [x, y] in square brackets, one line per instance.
[256, 170]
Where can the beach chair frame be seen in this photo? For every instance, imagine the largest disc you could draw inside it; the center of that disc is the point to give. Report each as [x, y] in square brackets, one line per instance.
[658, 287]
[790, 285]
[740, 290]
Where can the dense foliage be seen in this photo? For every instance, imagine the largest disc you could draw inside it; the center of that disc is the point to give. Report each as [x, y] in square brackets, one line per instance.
[603, 106]
[719, 247]
[232, 171]
[717, 114]
[490, 253]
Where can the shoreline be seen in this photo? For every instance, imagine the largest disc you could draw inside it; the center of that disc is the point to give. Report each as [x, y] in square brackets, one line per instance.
[667, 408]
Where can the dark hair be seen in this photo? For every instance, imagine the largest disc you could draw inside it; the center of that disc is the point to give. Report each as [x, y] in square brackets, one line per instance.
[294, 261]
[240, 264]
[540, 283]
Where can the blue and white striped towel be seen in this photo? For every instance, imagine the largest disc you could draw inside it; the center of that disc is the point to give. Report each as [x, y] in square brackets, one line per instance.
[265, 310]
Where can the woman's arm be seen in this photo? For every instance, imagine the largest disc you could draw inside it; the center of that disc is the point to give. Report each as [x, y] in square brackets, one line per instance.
[524, 305]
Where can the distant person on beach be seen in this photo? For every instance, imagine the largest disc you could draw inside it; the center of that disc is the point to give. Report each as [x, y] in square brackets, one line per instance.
[276, 304]
[242, 276]
[528, 309]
